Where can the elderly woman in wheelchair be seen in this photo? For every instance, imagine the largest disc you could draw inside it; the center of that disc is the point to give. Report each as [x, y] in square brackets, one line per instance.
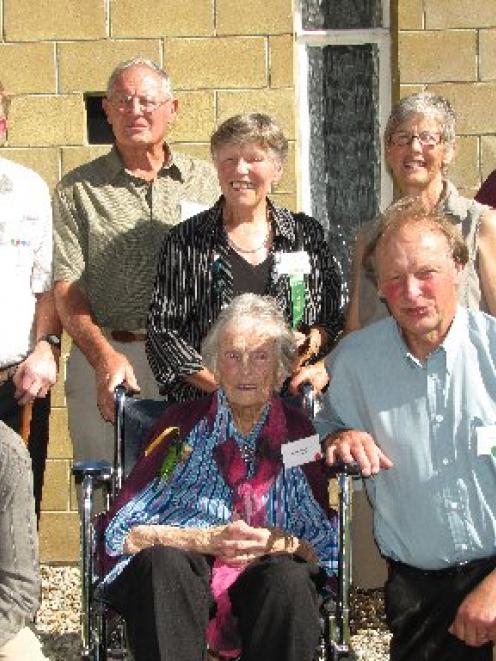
[221, 538]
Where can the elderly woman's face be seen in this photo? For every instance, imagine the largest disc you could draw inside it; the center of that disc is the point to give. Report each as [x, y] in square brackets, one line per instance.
[246, 173]
[246, 365]
[416, 165]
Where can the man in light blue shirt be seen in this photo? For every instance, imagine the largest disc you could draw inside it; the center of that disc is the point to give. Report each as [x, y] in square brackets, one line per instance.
[413, 400]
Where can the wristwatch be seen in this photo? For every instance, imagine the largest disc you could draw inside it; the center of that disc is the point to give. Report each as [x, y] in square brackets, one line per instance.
[53, 340]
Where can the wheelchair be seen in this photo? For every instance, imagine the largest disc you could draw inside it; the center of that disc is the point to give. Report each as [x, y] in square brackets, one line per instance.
[103, 633]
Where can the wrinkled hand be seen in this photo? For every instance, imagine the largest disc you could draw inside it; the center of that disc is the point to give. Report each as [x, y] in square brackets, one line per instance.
[475, 620]
[355, 445]
[314, 374]
[36, 375]
[237, 543]
[110, 372]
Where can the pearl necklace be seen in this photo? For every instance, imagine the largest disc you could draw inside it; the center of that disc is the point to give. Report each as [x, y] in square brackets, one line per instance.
[238, 248]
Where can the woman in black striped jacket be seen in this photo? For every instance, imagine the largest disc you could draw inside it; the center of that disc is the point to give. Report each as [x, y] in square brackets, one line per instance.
[244, 243]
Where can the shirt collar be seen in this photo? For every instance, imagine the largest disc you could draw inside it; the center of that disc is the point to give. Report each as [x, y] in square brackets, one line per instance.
[451, 202]
[450, 345]
[174, 166]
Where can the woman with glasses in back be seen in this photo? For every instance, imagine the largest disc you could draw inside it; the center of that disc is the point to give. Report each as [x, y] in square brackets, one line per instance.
[420, 145]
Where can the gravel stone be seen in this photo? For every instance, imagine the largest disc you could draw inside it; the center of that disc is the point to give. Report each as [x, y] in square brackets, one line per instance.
[58, 626]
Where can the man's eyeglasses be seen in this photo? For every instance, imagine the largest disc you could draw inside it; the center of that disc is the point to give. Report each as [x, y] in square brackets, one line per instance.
[125, 102]
[426, 138]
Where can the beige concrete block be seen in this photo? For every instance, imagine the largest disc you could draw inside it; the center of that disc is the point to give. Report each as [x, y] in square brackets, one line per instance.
[43, 160]
[28, 68]
[72, 157]
[281, 65]
[73, 496]
[437, 56]
[259, 17]
[149, 18]
[488, 155]
[196, 117]
[59, 445]
[405, 90]
[410, 14]
[56, 486]
[468, 192]
[287, 184]
[59, 537]
[195, 149]
[487, 54]
[25, 20]
[464, 170]
[473, 103]
[238, 62]
[442, 14]
[37, 121]
[86, 65]
[279, 104]
[286, 200]
[58, 392]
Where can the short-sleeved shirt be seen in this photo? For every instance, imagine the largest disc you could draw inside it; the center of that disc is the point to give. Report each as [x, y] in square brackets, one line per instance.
[25, 256]
[109, 226]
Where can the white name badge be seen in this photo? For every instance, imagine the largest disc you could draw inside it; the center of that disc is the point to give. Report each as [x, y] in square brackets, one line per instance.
[189, 208]
[301, 452]
[292, 263]
[486, 440]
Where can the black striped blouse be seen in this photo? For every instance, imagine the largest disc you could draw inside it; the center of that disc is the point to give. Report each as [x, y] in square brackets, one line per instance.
[194, 282]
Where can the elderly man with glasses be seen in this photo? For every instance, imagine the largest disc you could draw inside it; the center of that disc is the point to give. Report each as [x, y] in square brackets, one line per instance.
[110, 217]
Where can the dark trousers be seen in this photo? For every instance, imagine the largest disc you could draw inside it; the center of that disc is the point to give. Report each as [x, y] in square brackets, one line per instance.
[165, 598]
[10, 413]
[421, 606]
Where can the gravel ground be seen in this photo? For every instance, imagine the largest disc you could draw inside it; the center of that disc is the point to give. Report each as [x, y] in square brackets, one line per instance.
[58, 619]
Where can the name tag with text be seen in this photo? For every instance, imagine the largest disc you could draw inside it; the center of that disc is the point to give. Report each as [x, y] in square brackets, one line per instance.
[301, 452]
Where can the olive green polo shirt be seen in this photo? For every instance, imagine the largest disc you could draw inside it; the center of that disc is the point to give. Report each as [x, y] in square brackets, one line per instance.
[109, 226]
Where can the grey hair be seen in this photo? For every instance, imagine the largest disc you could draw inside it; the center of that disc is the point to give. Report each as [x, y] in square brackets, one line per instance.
[429, 105]
[136, 62]
[269, 320]
[408, 211]
[248, 128]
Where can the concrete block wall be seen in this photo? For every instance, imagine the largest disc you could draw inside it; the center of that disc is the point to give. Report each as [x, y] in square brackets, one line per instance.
[224, 56]
[449, 47]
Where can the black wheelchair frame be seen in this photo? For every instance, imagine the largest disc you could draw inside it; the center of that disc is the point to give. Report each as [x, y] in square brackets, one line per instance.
[103, 637]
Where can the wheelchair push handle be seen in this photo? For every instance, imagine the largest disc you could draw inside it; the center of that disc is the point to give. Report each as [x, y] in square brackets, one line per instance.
[308, 399]
[340, 467]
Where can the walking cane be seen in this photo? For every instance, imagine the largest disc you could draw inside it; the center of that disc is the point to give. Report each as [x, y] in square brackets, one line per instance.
[25, 428]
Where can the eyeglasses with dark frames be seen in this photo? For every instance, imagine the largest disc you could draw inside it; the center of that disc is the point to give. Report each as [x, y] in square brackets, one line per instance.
[426, 138]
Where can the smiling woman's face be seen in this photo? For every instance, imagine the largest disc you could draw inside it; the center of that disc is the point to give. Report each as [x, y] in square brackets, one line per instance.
[246, 173]
[246, 365]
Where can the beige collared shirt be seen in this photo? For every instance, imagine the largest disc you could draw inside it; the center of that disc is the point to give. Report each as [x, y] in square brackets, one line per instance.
[109, 226]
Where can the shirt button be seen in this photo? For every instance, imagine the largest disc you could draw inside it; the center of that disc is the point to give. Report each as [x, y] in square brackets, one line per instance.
[439, 417]
[445, 461]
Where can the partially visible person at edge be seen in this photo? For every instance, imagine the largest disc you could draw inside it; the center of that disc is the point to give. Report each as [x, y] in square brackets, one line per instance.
[420, 145]
[413, 400]
[20, 585]
[487, 192]
[216, 537]
[111, 216]
[29, 327]
[244, 243]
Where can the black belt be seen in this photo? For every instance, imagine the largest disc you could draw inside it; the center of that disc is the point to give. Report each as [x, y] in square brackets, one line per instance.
[459, 569]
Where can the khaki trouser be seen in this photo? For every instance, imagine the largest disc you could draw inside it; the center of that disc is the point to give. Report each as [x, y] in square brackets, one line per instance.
[24, 646]
[92, 437]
